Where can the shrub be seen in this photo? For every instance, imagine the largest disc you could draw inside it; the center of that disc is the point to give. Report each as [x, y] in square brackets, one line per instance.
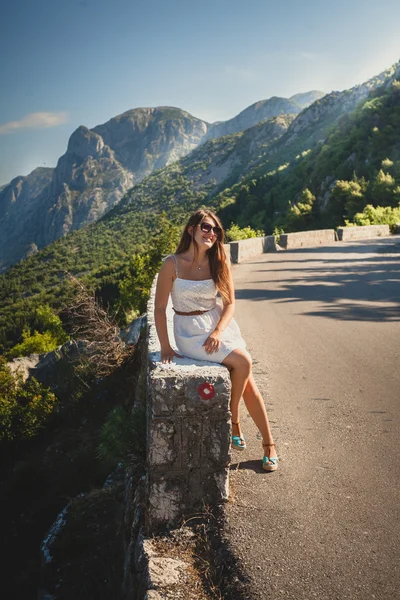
[277, 232]
[38, 343]
[134, 289]
[377, 215]
[24, 407]
[123, 436]
[47, 336]
[235, 233]
[300, 216]
[383, 188]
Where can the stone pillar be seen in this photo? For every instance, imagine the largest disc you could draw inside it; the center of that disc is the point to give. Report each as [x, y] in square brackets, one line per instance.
[188, 434]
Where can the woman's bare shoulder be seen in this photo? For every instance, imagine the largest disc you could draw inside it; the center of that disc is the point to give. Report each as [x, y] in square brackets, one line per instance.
[169, 265]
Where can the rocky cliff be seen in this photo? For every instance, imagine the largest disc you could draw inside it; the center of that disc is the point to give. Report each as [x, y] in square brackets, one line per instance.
[99, 166]
[19, 205]
[147, 139]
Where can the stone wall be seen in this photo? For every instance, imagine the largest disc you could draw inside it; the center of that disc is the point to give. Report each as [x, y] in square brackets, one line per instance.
[244, 249]
[304, 239]
[189, 429]
[362, 233]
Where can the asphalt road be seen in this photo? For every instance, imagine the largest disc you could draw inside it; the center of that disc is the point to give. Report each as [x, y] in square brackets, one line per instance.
[323, 327]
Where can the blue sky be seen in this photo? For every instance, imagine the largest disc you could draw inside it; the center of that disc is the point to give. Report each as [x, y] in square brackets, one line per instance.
[82, 62]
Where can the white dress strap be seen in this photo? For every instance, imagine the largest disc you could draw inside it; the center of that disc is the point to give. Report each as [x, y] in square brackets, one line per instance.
[173, 256]
[176, 263]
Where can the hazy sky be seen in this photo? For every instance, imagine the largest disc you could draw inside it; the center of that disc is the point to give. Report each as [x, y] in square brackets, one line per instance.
[82, 62]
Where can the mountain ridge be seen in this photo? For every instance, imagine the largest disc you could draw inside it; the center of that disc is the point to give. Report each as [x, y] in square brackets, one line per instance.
[98, 168]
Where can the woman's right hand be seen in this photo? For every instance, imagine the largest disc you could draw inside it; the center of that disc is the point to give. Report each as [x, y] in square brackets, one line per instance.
[168, 353]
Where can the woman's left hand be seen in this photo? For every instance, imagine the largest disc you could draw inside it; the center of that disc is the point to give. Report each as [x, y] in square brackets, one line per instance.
[213, 342]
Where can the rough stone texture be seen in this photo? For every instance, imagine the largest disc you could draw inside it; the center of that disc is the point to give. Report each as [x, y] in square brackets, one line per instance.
[244, 249]
[165, 565]
[302, 239]
[362, 232]
[188, 441]
[227, 248]
[131, 334]
[48, 368]
[23, 365]
[164, 571]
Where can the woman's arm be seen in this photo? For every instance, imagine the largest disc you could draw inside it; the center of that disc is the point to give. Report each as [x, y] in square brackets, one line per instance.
[213, 342]
[163, 289]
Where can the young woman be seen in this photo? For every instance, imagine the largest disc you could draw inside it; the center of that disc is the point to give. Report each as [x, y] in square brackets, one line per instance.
[203, 328]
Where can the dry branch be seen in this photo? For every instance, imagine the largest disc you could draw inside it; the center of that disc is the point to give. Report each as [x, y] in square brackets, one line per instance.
[104, 349]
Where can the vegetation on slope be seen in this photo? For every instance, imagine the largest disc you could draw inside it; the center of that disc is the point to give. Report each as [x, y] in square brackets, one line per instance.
[356, 165]
[106, 255]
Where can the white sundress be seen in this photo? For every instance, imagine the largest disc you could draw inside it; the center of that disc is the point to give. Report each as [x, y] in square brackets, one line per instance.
[191, 331]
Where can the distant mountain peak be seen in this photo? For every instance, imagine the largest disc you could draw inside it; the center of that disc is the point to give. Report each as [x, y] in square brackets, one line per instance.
[262, 110]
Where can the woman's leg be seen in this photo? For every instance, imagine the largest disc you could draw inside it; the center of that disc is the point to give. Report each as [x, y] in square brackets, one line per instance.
[243, 384]
[255, 406]
[239, 365]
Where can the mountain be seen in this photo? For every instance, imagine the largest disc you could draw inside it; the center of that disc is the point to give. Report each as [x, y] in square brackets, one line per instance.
[306, 98]
[100, 165]
[261, 111]
[312, 125]
[343, 136]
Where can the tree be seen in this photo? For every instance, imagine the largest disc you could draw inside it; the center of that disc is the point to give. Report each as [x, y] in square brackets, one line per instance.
[347, 198]
[24, 407]
[383, 189]
[300, 216]
[47, 335]
[135, 287]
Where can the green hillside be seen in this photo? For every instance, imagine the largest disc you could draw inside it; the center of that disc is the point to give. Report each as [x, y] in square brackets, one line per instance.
[362, 149]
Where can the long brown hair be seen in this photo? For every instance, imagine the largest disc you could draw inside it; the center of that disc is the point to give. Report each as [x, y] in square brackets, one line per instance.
[216, 254]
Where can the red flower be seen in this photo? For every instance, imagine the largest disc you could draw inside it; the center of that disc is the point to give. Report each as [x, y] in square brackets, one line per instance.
[206, 391]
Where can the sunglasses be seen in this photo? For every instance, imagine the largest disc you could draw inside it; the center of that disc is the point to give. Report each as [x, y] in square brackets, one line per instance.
[207, 228]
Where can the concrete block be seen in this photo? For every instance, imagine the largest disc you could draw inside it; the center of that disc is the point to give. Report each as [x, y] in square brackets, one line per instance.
[166, 499]
[209, 486]
[191, 448]
[218, 402]
[304, 239]
[166, 393]
[215, 443]
[363, 232]
[164, 443]
[270, 244]
[245, 249]
[177, 392]
[227, 248]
